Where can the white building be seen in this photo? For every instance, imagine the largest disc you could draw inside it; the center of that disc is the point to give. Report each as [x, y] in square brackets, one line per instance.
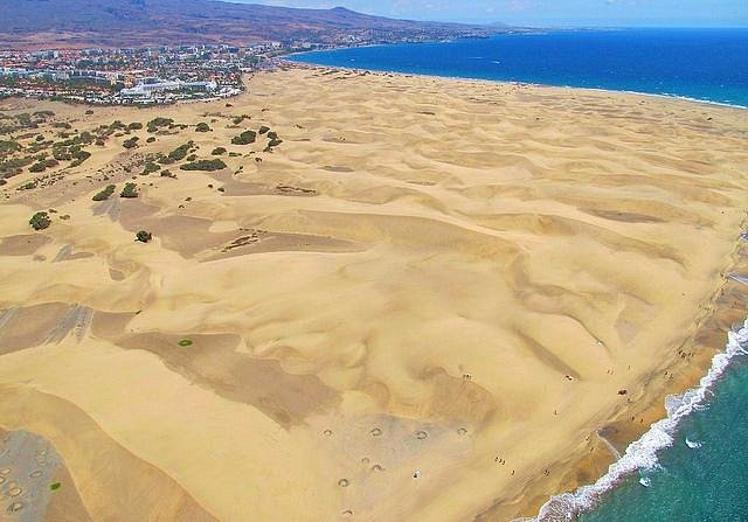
[147, 90]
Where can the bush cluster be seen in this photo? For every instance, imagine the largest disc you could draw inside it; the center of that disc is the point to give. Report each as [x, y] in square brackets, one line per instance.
[245, 138]
[207, 165]
[104, 194]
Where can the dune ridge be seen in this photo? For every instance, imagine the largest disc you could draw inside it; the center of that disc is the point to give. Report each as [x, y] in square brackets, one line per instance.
[424, 304]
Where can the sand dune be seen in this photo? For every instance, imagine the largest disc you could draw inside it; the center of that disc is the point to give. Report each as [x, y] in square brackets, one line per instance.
[422, 305]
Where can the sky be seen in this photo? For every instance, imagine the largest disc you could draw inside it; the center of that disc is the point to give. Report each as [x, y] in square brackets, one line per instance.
[544, 13]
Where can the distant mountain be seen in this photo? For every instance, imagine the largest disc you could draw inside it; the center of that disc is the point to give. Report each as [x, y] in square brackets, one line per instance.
[86, 23]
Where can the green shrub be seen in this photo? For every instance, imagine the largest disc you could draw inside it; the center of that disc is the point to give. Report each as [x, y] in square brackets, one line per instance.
[42, 165]
[131, 143]
[264, 129]
[166, 173]
[245, 138]
[184, 343]
[160, 122]
[130, 191]
[150, 167]
[272, 135]
[143, 236]
[40, 221]
[180, 152]
[135, 126]
[274, 142]
[219, 151]
[80, 157]
[207, 165]
[8, 147]
[150, 139]
[104, 194]
[203, 127]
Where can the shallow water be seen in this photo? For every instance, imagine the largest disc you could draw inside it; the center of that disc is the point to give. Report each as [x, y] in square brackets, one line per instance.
[705, 64]
[706, 482]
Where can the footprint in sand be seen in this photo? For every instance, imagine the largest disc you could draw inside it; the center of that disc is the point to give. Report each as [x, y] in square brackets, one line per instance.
[421, 435]
[347, 513]
[461, 431]
[365, 460]
[343, 483]
[15, 491]
[376, 432]
[327, 433]
[377, 467]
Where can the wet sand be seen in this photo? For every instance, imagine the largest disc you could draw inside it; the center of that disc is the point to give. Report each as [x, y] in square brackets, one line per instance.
[424, 304]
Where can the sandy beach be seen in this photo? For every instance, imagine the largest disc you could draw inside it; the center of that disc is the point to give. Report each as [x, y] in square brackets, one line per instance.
[432, 300]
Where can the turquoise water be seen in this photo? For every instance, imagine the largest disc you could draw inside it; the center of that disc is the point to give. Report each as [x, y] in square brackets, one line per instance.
[705, 479]
[706, 483]
[705, 64]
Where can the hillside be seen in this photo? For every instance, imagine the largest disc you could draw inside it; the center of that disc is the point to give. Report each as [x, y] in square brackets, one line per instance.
[84, 23]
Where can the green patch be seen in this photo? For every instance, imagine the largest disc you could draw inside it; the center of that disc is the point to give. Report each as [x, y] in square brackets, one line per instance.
[40, 221]
[245, 138]
[184, 343]
[207, 165]
[104, 194]
[130, 191]
[55, 486]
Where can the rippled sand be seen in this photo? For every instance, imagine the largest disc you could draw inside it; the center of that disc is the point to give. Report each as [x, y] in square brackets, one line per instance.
[422, 305]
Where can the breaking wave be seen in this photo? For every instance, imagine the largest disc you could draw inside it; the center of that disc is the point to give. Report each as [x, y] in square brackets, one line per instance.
[641, 455]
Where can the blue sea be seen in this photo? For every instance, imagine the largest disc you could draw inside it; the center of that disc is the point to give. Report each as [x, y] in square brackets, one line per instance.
[693, 465]
[704, 64]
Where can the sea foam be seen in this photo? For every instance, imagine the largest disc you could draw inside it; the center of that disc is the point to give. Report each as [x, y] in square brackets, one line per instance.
[641, 455]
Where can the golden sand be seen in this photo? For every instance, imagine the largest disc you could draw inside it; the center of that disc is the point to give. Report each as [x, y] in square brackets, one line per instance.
[422, 305]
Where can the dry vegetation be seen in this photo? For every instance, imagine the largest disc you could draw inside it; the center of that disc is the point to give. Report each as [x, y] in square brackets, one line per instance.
[367, 296]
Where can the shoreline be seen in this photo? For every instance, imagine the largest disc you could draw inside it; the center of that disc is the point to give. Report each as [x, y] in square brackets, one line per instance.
[680, 399]
[709, 367]
[404, 205]
[664, 96]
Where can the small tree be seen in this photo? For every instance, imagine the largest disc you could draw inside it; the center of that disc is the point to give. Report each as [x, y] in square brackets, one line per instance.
[219, 151]
[264, 129]
[40, 221]
[203, 127]
[143, 236]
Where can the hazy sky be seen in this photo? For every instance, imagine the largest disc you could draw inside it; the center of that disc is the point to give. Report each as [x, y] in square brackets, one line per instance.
[690, 13]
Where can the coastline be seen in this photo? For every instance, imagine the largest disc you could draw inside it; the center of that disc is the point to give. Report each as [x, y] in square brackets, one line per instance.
[292, 63]
[690, 372]
[640, 446]
[327, 139]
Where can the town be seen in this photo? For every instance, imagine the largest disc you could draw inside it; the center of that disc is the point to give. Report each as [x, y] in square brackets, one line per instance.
[135, 76]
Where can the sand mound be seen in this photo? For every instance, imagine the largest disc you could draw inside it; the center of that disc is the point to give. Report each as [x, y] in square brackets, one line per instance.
[422, 305]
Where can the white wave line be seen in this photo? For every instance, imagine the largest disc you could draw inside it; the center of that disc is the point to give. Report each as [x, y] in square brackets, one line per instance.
[641, 455]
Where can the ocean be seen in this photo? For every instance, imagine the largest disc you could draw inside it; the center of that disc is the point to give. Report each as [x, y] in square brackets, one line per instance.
[704, 64]
[693, 465]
